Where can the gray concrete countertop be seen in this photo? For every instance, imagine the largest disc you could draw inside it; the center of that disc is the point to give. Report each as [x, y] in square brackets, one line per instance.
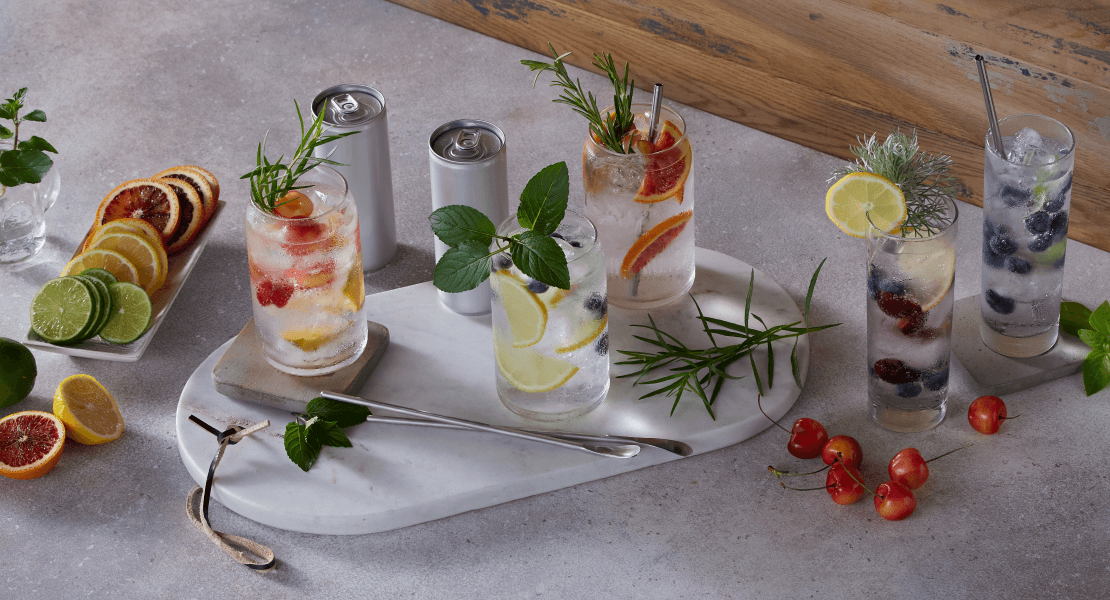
[132, 88]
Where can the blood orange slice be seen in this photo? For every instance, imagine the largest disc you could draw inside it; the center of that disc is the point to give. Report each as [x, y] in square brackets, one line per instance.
[653, 242]
[31, 443]
[196, 180]
[212, 182]
[148, 199]
[191, 221]
[669, 162]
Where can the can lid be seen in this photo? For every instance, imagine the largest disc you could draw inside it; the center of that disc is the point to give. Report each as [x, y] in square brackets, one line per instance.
[467, 142]
[347, 109]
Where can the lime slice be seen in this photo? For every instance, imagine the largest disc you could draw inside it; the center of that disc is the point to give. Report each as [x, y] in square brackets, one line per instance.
[851, 198]
[530, 371]
[98, 307]
[105, 303]
[61, 310]
[929, 275]
[131, 313]
[104, 275]
[586, 332]
[526, 313]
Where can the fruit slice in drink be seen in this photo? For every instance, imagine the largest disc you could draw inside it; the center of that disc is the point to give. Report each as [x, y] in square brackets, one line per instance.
[849, 200]
[527, 315]
[650, 244]
[530, 371]
[669, 164]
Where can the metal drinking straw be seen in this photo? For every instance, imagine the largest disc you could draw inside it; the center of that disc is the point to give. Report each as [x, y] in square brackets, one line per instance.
[996, 135]
[653, 123]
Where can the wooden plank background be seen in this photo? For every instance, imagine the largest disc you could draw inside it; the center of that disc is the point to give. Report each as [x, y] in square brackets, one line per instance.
[823, 72]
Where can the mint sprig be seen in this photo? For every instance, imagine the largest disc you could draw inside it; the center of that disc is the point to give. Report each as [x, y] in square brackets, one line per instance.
[470, 235]
[26, 162]
[321, 424]
[1094, 329]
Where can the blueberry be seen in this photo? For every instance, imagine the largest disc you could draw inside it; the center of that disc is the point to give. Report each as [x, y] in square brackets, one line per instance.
[1067, 186]
[575, 244]
[1057, 203]
[892, 370]
[1059, 227]
[502, 261]
[988, 228]
[597, 304]
[878, 282]
[556, 234]
[989, 257]
[1041, 242]
[1002, 244]
[907, 390]
[1018, 265]
[999, 303]
[1013, 196]
[1058, 264]
[537, 287]
[602, 345]
[935, 381]
[1038, 222]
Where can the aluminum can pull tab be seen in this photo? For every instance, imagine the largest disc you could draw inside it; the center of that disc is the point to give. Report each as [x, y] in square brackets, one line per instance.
[467, 144]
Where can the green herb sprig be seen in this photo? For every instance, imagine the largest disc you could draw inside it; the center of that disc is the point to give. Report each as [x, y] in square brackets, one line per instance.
[1094, 329]
[609, 130]
[321, 424]
[272, 181]
[926, 180]
[469, 233]
[26, 161]
[702, 371]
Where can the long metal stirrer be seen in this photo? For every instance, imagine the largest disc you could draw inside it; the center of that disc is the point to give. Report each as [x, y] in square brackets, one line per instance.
[996, 135]
[653, 124]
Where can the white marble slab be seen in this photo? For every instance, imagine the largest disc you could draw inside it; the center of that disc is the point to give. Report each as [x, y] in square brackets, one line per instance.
[442, 362]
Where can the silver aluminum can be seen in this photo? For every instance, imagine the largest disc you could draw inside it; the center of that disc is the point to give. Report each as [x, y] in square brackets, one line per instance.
[468, 167]
[365, 157]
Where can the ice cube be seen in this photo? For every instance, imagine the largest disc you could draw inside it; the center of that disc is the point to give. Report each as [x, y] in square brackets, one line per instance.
[1023, 143]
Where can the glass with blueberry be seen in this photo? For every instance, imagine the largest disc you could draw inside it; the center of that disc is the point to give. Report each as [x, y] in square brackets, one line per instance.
[909, 321]
[1026, 198]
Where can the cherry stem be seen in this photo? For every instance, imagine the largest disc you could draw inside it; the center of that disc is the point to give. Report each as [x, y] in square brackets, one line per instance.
[949, 452]
[1008, 418]
[778, 473]
[759, 397]
[861, 484]
[806, 489]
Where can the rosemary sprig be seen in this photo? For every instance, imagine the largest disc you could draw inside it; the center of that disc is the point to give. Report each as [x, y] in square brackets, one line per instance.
[703, 371]
[926, 180]
[609, 130]
[272, 181]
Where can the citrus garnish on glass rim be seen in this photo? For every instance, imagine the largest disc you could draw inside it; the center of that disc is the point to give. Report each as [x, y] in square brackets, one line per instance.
[856, 195]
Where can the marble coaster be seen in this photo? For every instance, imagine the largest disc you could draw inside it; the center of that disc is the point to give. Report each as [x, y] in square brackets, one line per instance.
[1002, 374]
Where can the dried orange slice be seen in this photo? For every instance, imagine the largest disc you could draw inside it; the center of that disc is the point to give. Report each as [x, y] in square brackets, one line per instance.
[669, 162]
[148, 199]
[191, 208]
[31, 443]
[197, 181]
[653, 242]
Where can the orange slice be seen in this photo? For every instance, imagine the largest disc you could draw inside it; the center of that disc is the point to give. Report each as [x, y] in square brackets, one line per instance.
[132, 225]
[109, 260]
[669, 162]
[653, 242]
[191, 208]
[31, 443]
[149, 259]
[148, 199]
[193, 177]
[212, 182]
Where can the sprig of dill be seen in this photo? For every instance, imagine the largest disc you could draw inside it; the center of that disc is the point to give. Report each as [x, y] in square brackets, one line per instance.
[926, 180]
[609, 130]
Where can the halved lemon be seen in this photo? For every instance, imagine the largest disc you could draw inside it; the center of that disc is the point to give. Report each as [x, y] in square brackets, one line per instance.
[89, 412]
[526, 312]
[149, 260]
[852, 197]
[653, 242]
[109, 260]
[930, 275]
[530, 371]
[586, 332]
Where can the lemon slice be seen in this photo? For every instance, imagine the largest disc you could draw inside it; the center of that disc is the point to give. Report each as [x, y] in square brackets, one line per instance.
[850, 199]
[312, 338]
[149, 259]
[530, 371]
[109, 260]
[930, 275]
[526, 312]
[89, 412]
[586, 332]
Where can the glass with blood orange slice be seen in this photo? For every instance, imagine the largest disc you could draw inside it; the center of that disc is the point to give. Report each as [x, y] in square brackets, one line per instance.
[642, 204]
[306, 277]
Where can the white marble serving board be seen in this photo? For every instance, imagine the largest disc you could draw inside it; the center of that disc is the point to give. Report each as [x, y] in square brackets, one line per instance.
[442, 362]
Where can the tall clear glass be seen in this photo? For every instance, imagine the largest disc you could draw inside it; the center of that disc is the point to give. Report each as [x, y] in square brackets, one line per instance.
[910, 275]
[552, 345]
[306, 280]
[1026, 200]
[23, 214]
[643, 206]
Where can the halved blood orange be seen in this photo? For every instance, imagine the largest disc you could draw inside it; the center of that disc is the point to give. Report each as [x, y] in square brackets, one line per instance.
[668, 165]
[196, 180]
[31, 443]
[151, 200]
[191, 208]
[653, 242]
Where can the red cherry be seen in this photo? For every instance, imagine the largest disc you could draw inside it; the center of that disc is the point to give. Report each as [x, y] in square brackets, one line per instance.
[294, 205]
[908, 468]
[841, 486]
[842, 447]
[894, 371]
[894, 501]
[986, 414]
[912, 324]
[807, 437]
[899, 307]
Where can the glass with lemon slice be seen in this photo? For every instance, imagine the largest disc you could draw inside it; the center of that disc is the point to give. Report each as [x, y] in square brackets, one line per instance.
[551, 345]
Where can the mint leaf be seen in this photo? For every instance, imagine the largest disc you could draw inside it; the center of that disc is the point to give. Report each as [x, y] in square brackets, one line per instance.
[23, 166]
[5, 133]
[1096, 371]
[1092, 338]
[37, 143]
[455, 224]
[340, 413]
[1100, 319]
[329, 434]
[464, 267]
[1073, 317]
[35, 115]
[544, 200]
[541, 258]
[303, 449]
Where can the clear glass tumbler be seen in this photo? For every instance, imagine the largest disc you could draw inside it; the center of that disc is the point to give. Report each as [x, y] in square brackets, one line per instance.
[552, 345]
[306, 280]
[1026, 199]
[23, 214]
[643, 206]
[910, 275]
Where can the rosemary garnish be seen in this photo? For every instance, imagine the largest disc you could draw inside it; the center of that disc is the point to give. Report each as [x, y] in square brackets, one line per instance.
[699, 370]
[926, 180]
[609, 130]
[270, 182]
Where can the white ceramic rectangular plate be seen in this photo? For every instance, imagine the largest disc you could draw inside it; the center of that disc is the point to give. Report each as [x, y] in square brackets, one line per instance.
[181, 265]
